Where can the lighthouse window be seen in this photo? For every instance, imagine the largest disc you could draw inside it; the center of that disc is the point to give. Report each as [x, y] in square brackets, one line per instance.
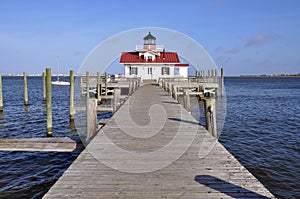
[165, 71]
[133, 71]
[150, 71]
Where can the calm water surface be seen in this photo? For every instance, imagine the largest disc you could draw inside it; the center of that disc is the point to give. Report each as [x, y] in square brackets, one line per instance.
[261, 129]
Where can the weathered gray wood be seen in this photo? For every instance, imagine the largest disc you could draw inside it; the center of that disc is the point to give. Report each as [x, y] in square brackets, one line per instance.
[210, 115]
[1, 96]
[106, 82]
[204, 170]
[25, 90]
[87, 76]
[222, 82]
[187, 100]
[44, 86]
[49, 102]
[116, 100]
[72, 110]
[91, 118]
[100, 108]
[98, 87]
[58, 144]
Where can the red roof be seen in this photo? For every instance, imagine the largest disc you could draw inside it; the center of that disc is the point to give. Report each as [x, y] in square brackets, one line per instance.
[133, 57]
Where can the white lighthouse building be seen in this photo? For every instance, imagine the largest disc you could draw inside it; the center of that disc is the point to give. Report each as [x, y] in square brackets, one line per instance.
[150, 61]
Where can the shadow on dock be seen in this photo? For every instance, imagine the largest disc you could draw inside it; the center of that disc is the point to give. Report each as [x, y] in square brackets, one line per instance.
[168, 102]
[185, 121]
[227, 188]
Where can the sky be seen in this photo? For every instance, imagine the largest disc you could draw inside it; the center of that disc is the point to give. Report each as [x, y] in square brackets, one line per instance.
[242, 36]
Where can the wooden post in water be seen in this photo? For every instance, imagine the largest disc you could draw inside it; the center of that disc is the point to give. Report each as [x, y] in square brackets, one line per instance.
[186, 100]
[106, 81]
[222, 82]
[87, 76]
[210, 115]
[44, 87]
[48, 102]
[98, 87]
[116, 100]
[91, 117]
[1, 96]
[72, 110]
[25, 90]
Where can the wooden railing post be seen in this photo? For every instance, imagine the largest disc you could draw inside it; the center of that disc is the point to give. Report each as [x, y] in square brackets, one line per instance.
[106, 82]
[87, 76]
[222, 82]
[98, 87]
[91, 117]
[116, 100]
[186, 100]
[130, 88]
[72, 110]
[210, 115]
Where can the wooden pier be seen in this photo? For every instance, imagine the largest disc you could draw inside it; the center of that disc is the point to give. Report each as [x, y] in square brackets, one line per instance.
[205, 169]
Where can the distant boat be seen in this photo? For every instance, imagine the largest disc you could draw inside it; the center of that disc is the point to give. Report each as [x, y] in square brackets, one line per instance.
[57, 82]
[60, 83]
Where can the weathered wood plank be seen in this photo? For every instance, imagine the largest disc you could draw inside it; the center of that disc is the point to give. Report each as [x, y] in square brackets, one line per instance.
[204, 170]
[58, 144]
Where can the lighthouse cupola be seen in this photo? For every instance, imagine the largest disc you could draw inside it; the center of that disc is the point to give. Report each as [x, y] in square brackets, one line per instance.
[149, 42]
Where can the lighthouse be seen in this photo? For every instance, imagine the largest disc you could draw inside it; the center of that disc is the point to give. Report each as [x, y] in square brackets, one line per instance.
[150, 61]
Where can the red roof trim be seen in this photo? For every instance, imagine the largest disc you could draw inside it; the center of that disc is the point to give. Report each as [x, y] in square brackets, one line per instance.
[133, 57]
[183, 65]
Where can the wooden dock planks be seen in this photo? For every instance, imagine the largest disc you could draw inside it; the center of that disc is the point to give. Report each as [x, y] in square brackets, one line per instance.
[57, 144]
[205, 169]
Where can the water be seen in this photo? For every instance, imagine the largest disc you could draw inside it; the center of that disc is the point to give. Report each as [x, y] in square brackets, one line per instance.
[261, 129]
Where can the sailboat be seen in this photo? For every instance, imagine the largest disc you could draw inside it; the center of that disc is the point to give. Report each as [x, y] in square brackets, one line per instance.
[57, 82]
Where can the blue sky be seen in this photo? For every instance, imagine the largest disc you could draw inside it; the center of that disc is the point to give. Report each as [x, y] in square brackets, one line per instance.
[242, 36]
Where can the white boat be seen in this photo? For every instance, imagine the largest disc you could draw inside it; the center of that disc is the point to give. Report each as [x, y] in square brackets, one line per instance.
[60, 83]
[57, 82]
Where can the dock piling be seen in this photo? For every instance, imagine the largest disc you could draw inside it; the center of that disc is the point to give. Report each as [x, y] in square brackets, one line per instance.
[116, 100]
[106, 81]
[25, 90]
[210, 115]
[98, 87]
[222, 82]
[72, 110]
[49, 102]
[87, 85]
[44, 87]
[1, 96]
[186, 100]
[91, 117]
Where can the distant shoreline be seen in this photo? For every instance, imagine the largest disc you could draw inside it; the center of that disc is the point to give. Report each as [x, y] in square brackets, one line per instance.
[267, 76]
[231, 76]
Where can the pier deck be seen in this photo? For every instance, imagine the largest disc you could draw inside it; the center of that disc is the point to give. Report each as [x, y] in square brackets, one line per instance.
[166, 154]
